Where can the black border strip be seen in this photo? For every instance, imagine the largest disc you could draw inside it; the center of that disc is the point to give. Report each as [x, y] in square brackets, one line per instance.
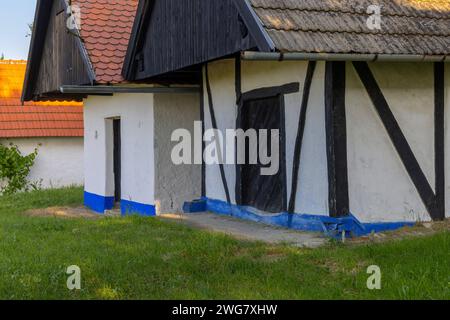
[202, 119]
[239, 105]
[238, 78]
[282, 163]
[214, 125]
[335, 122]
[398, 139]
[439, 138]
[301, 130]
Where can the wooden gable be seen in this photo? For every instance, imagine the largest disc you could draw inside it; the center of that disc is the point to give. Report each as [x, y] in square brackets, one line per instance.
[57, 56]
[170, 35]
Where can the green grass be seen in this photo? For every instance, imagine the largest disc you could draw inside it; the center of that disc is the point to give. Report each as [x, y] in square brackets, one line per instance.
[144, 258]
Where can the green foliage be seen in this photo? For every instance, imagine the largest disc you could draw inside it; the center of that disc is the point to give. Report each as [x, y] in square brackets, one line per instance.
[14, 169]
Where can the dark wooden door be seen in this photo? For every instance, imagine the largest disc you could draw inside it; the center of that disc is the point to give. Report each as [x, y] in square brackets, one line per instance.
[260, 191]
[117, 160]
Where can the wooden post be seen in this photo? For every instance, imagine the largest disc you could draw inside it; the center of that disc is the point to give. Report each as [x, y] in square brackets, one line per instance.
[336, 139]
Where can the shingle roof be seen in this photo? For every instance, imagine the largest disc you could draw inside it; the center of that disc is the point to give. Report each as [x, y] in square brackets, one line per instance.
[105, 30]
[340, 26]
[34, 119]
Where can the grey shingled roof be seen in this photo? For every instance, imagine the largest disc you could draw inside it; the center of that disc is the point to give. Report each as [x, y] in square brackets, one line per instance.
[339, 26]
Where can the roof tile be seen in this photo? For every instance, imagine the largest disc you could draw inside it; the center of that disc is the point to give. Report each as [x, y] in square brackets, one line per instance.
[105, 29]
[34, 119]
[340, 26]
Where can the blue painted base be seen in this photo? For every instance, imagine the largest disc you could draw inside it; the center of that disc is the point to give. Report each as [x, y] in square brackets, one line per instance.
[195, 206]
[98, 203]
[333, 227]
[130, 207]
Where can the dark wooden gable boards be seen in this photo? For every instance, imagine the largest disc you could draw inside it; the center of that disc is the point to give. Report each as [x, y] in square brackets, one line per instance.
[170, 35]
[56, 55]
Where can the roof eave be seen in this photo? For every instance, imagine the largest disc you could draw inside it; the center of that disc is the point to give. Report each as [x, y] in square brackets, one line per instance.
[305, 56]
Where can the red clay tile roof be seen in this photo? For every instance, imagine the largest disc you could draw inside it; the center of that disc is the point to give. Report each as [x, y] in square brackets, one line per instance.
[34, 119]
[105, 29]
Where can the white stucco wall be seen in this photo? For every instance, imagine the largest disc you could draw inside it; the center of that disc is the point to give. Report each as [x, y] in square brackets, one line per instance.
[59, 162]
[312, 196]
[175, 184]
[137, 130]
[380, 189]
[379, 186]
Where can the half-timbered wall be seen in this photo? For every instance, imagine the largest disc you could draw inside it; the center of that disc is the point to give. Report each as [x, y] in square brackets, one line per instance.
[380, 188]
[312, 195]
[379, 184]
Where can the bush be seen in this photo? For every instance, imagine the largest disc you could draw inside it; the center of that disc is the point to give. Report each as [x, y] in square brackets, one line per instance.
[14, 169]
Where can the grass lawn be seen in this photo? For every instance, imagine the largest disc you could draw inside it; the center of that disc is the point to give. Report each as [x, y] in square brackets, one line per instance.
[144, 258]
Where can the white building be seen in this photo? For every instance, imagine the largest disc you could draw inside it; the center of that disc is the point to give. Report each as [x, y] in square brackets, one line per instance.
[55, 129]
[361, 110]
[361, 104]
[127, 127]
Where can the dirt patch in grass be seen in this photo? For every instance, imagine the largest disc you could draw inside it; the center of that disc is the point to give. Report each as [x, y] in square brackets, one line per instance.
[63, 212]
[419, 230]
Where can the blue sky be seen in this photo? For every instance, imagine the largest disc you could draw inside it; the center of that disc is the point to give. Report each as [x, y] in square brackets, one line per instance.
[14, 17]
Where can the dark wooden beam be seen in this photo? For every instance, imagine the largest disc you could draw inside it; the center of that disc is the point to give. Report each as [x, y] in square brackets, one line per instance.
[398, 139]
[439, 134]
[262, 93]
[238, 78]
[239, 106]
[202, 119]
[300, 133]
[282, 168]
[336, 139]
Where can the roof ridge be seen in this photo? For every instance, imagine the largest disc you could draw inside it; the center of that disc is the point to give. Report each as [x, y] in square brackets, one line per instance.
[13, 61]
[361, 13]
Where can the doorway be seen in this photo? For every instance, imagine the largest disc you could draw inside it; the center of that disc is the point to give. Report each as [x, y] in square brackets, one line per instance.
[263, 192]
[117, 154]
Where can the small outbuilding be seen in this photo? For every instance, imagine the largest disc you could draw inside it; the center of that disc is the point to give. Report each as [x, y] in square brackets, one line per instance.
[358, 90]
[77, 52]
[358, 93]
[54, 128]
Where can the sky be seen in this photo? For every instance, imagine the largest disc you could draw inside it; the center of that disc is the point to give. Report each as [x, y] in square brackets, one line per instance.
[14, 18]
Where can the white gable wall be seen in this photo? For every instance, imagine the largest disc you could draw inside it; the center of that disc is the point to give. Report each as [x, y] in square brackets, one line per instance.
[59, 162]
